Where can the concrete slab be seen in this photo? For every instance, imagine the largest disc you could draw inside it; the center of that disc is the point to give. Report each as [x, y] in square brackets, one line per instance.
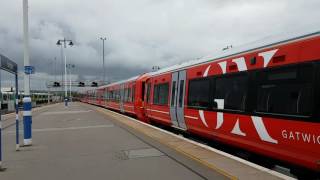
[79, 143]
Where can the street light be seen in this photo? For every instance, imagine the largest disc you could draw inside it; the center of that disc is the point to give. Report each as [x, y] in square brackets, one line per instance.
[70, 66]
[64, 43]
[27, 103]
[104, 72]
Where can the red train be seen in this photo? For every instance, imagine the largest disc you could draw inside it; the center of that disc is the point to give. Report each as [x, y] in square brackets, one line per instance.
[264, 98]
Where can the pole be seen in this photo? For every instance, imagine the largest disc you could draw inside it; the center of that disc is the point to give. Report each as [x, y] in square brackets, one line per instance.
[65, 82]
[1, 168]
[104, 72]
[49, 95]
[61, 51]
[17, 114]
[0, 133]
[55, 79]
[70, 82]
[27, 116]
[55, 68]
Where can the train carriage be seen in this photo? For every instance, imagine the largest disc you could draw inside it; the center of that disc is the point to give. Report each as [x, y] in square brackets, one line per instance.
[263, 97]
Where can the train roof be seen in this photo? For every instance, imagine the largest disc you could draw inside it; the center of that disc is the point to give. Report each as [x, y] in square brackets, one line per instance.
[22, 93]
[262, 43]
[120, 82]
[218, 55]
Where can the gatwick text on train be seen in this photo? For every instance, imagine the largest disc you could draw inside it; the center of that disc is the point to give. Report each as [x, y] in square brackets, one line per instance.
[300, 136]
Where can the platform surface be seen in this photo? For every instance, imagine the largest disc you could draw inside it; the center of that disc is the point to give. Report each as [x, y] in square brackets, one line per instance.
[79, 142]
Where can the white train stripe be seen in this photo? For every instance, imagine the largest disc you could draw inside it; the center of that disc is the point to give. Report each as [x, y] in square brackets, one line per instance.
[261, 130]
[220, 104]
[223, 66]
[241, 63]
[236, 129]
[191, 117]
[205, 74]
[164, 112]
[267, 56]
[201, 114]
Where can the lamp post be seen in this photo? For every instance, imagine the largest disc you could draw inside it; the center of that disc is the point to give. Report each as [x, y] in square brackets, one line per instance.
[70, 67]
[61, 53]
[59, 43]
[104, 72]
[55, 68]
[27, 105]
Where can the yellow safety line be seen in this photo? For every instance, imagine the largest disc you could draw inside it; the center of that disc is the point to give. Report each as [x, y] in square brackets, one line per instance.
[210, 166]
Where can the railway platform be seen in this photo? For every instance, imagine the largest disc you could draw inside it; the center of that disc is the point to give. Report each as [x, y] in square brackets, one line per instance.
[88, 142]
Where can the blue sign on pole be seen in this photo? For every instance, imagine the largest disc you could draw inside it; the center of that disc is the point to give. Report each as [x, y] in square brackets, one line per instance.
[29, 70]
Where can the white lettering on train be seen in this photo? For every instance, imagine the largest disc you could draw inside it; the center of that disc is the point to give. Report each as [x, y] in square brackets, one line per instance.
[300, 136]
[257, 121]
[267, 56]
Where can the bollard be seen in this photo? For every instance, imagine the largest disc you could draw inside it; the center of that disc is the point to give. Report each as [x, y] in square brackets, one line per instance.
[17, 115]
[0, 143]
[17, 125]
[65, 102]
[27, 121]
[1, 168]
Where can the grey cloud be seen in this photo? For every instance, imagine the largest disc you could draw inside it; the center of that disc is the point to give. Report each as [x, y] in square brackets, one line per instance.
[143, 33]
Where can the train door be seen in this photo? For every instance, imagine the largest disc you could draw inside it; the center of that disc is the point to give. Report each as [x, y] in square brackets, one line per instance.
[148, 97]
[177, 99]
[121, 98]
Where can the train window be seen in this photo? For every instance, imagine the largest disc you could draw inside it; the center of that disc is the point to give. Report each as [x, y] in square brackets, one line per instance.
[111, 95]
[148, 92]
[199, 93]
[156, 94]
[125, 95]
[181, 92]
[232, 89]
[106, 94]
[117, 95]
[160, 94]
[129, 95]
[173, 93]
[133, 92]
[290, 93]
[163, 94]
[143, 89]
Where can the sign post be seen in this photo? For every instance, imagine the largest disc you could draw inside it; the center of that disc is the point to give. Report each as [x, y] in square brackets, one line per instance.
[27, 107]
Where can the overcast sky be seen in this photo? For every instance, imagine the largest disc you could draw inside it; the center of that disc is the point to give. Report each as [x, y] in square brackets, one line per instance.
[141, 33]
